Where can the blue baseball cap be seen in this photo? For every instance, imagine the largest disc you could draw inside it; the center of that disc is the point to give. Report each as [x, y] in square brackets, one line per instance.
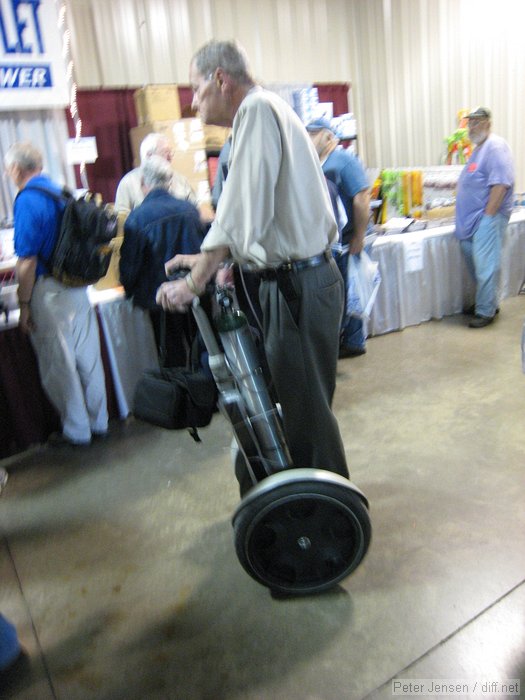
[321, 123]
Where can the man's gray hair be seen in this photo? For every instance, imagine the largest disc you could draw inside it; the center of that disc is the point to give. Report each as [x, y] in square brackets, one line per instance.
[25, 155]
[149, 144]
[156, 172]
[228, 55]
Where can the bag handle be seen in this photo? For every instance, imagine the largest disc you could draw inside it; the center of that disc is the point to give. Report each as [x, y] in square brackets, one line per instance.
[162, 339]
[193, 359]
[194, 352]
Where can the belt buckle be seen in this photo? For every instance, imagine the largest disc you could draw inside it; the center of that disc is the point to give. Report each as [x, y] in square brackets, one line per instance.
[286, 267]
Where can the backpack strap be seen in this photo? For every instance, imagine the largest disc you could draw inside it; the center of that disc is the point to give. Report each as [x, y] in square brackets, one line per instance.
[63, 196]
[162, 339]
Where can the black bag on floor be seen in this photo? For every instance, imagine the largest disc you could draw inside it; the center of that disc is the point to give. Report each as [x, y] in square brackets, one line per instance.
[176, 397]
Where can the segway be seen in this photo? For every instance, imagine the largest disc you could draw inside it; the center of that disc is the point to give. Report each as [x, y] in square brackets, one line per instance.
[297, 530]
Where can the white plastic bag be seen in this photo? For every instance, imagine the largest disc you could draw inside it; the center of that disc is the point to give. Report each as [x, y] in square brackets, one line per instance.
[364, 279]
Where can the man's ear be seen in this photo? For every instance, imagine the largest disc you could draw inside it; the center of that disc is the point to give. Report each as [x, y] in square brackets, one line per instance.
[220, 77]
[13, 171]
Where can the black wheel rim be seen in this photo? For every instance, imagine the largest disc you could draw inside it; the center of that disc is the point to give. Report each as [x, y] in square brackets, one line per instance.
[304, 542]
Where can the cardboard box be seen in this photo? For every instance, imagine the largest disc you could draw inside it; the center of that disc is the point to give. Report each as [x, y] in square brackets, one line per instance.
[184, 134]
[136, 136]
[187, 133]
[193, 163]
[215, 137]
[112, 276]
[189, 154]
[202, 192]
[440, 213]
[157, 103]
[192, 133]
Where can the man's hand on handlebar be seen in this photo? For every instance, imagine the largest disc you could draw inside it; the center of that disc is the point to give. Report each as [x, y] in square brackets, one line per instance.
[185, 261]
[175, 296]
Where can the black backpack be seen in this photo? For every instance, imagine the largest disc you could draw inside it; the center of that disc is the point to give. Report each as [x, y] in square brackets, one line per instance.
[82, 250]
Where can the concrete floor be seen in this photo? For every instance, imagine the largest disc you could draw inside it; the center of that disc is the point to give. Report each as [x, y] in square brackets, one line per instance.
[118, 567]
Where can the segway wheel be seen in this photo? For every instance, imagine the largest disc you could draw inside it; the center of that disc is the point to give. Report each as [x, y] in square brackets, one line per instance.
[301, 531]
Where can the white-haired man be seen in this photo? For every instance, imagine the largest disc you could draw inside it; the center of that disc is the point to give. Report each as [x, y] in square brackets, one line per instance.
[60, 320]
[274, 215]
[154, 232]
[129, 191]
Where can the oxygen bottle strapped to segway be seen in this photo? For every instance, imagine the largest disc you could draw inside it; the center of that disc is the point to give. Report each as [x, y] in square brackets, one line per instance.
[298, 530]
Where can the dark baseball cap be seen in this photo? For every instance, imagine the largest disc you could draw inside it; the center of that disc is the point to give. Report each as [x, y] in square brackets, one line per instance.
[480, 113]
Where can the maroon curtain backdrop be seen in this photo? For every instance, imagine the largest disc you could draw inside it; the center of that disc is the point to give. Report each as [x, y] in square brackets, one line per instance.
[109, 115]
[337, 93]
[185, 97]
[26, 416]
[328, 92]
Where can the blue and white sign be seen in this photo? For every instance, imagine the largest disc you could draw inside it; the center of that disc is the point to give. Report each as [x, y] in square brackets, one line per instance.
[32, 67]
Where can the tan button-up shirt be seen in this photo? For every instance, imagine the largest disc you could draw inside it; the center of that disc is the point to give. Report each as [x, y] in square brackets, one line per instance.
[275, 204]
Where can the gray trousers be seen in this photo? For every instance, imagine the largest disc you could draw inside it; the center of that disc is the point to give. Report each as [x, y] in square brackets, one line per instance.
[301, 321]
[67, 345]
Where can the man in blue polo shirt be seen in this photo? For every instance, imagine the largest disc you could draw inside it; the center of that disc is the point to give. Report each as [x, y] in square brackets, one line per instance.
[483, 207]
[60, 320]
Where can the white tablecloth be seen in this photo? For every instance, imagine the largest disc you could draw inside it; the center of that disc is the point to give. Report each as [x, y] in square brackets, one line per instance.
[130, 343]
[424, 276]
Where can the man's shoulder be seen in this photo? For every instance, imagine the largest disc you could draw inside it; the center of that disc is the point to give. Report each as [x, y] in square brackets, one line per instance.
[345, 161]
[261, 99]
[40, 186]
[162, 204]
[497, 143]
[494, 151]
[180, 207]
[130, 177]
[339, 157]
[40, 196]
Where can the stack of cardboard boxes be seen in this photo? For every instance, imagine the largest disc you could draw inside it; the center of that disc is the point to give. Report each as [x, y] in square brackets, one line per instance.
[158, 110]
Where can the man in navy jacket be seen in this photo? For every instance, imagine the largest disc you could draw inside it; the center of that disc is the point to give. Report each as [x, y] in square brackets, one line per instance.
[154, 232]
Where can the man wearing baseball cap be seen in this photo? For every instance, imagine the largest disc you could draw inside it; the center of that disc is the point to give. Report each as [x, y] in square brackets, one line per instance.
[348, 175]
[483, 207]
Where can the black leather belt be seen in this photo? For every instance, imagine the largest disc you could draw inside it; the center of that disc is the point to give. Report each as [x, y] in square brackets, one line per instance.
[272, 273]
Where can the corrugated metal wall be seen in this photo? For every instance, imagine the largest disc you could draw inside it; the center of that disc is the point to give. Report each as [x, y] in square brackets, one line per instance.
[412, 63]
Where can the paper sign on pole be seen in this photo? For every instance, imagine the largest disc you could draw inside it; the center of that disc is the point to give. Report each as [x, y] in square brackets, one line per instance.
[83, 150]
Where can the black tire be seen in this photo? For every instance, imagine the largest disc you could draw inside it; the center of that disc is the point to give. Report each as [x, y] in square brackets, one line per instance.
[303, 536]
